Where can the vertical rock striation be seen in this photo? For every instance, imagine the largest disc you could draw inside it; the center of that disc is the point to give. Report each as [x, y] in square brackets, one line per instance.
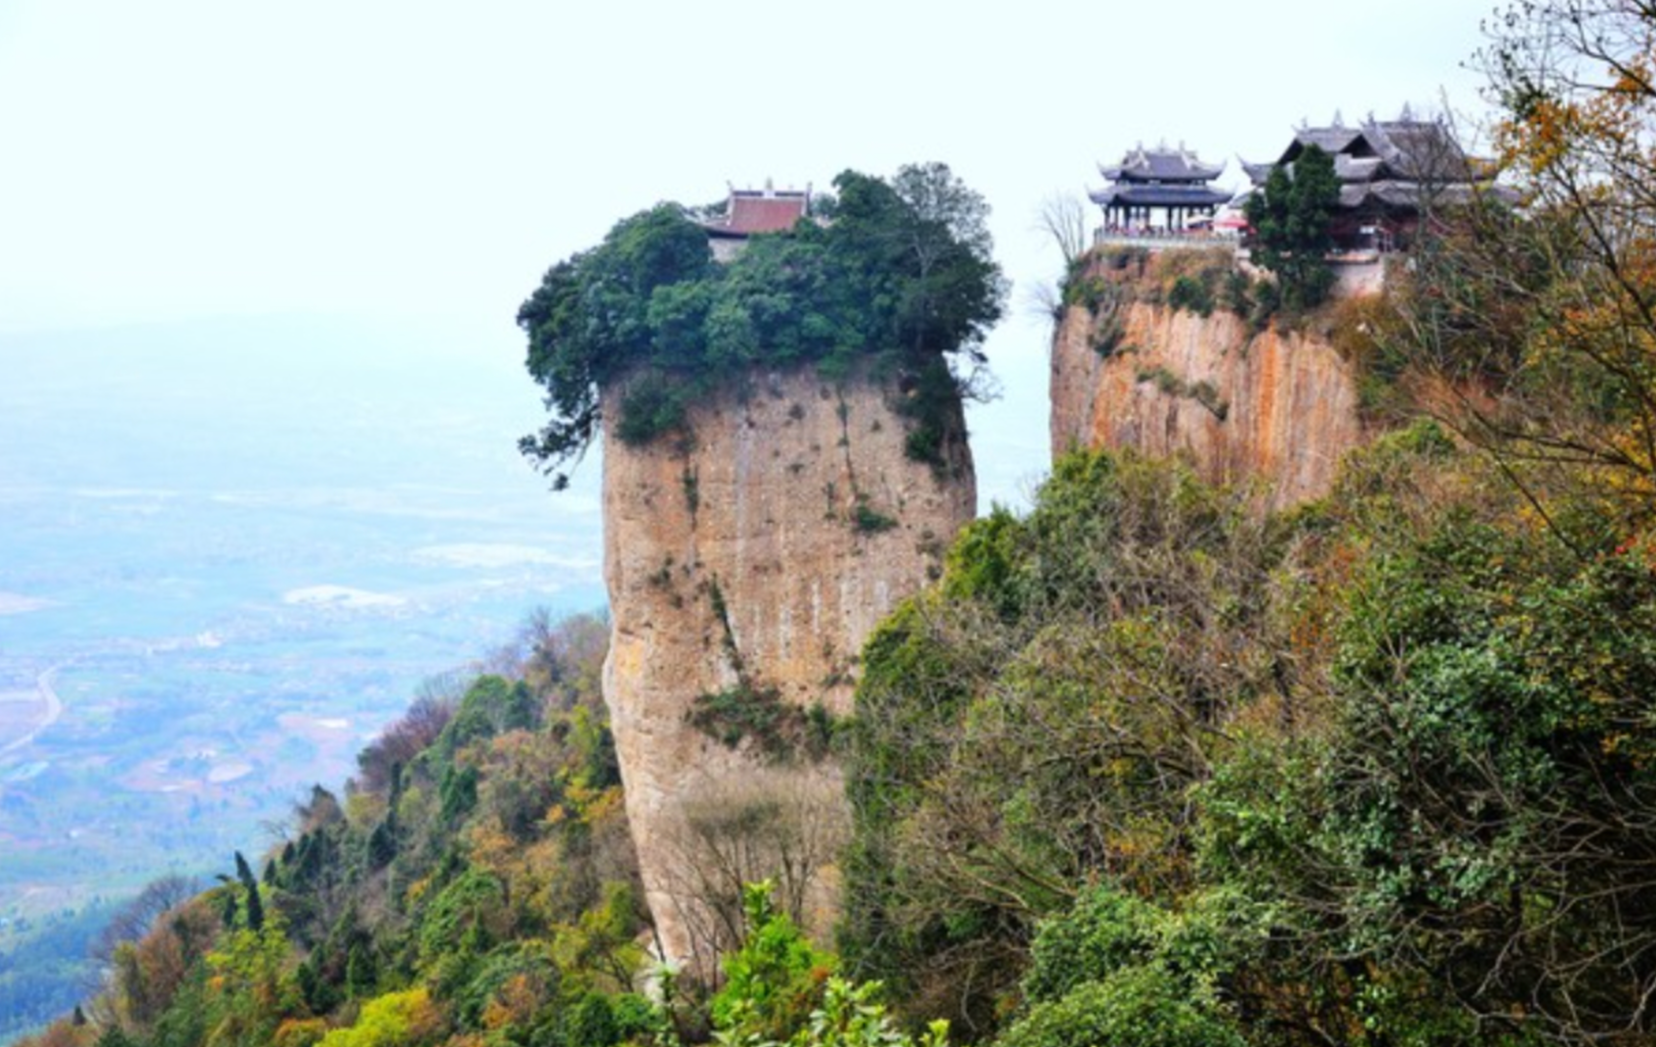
[1281, 407]
[750, 558]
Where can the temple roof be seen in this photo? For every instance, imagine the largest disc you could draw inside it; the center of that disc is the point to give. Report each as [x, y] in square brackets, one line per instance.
[1404, 150]
[767, 210]
[1161, 165]
[1408, 195]
[1152, 195]
[1330, 139]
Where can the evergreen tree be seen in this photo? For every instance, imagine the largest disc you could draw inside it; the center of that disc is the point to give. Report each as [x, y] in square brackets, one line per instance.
[255, 906]
[1291, 219]
[382, 843]
[360, 972]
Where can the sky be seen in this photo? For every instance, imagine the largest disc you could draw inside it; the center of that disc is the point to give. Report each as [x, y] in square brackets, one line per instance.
[416, 166]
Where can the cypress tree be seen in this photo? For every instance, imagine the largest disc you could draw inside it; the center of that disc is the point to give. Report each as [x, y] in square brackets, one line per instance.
[382, 843]
[360, 972]
[255, 907]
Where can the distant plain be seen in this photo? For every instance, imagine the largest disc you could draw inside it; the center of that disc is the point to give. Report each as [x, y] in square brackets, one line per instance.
[233, 552]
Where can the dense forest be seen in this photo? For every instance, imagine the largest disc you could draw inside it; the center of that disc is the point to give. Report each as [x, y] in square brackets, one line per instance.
[1147, 765]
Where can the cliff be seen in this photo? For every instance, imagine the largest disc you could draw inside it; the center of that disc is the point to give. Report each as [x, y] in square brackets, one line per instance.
[747, 559]
[1271, 405]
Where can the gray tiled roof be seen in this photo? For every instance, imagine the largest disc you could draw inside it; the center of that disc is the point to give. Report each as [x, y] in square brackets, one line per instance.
[1382, 162]
[1330, 139]
[1141, 195]
[1161, 165]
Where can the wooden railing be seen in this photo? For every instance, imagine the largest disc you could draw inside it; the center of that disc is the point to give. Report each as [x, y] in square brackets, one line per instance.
[1157, 239]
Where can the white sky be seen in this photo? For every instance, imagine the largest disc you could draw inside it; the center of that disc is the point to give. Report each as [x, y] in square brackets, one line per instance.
[412, 162]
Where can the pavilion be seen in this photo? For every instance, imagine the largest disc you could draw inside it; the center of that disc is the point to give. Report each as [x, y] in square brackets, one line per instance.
[1158, 189]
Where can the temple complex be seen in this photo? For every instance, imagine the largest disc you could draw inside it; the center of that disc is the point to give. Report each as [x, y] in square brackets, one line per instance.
[1158, 190]
[752, 211]
[1390, 173]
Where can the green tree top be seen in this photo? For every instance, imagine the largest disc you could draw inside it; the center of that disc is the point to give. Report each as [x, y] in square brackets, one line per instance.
[902, 274]
[1291, 216]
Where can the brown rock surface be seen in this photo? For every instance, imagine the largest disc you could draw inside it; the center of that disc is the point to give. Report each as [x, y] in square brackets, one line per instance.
[1289, 401]
[756, 512]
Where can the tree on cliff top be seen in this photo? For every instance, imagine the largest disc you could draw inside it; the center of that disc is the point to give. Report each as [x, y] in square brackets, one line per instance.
[1290, 216]
[903, 276]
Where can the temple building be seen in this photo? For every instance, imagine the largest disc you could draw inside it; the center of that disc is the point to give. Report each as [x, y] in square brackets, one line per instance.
[1158, 190]
[1391, 173]
[751, 211]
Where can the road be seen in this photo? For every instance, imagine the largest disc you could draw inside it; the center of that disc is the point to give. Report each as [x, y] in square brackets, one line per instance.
[54, 710]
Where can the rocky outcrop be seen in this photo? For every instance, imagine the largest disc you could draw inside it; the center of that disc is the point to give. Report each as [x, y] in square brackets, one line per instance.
[1276, 406]
[747, 558]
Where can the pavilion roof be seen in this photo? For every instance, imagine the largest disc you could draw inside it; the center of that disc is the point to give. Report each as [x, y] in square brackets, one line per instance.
[1151, 195]
[1161, 165]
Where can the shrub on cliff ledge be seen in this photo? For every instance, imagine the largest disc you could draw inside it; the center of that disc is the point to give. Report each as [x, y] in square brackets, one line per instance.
[901, 279]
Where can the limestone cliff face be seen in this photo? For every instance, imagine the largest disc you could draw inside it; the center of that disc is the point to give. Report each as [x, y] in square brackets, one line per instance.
[754, 557]
[1275, 406]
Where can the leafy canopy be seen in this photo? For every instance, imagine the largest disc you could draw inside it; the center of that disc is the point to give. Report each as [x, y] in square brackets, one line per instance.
[902, 277]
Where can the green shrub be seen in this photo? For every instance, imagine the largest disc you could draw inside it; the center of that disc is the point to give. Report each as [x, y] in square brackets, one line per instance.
[460, 915]
[778, 731]
[1105, 931]
[651, 406]
[1140, 1006]
[399, 1019]
[590, 1022]
[774, 980]
[1191, 294]
[528, 964]
[1237, 293]
[868, 520]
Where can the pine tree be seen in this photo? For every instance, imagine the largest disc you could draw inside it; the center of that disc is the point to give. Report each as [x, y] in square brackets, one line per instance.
[1291, 217]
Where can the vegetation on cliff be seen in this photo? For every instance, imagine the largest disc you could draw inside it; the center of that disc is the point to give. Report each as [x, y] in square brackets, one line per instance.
[900, 279]
[476, 870]
[475, 886]
[1375, 771]
[1146, 766]
[1372, 771]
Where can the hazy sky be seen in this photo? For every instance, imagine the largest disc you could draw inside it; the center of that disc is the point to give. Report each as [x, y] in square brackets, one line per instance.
[422, 163]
